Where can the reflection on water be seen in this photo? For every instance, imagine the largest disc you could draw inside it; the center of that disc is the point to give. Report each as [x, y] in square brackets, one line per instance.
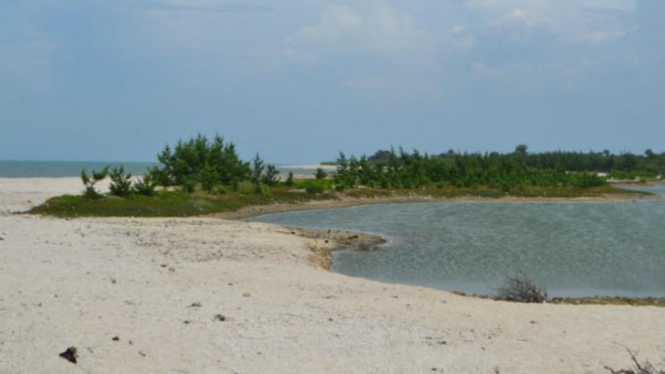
[572, 249]
[658, 189]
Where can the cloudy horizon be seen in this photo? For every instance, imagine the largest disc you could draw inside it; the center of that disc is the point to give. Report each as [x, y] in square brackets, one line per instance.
[299, 81]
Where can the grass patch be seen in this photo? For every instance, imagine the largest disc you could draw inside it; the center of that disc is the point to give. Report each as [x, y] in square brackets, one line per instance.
[611, 300]
[167, 204]
[181, 204]
[496, 193]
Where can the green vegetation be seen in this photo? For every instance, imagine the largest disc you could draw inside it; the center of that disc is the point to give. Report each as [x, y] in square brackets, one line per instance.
[121, 182]
[166, 203]
[89, 182]
[199, 162]
[317, 186]
[289, 181]
[145, 186]
[320, 174]
[505, 172]
[202, 176]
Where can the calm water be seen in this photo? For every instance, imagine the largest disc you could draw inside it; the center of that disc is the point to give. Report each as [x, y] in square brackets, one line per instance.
[58, 169]
[572, 249]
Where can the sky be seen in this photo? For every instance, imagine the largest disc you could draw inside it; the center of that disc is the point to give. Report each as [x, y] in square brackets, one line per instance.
[301, 80]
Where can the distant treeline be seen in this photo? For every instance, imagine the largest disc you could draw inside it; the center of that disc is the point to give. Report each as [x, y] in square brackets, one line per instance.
[214, 166]
[400, 169]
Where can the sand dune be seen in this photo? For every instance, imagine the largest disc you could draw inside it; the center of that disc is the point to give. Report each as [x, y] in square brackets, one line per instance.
[205, 295]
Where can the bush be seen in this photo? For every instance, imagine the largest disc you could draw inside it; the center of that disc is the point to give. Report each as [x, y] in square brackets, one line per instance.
[320, 174]
[638, 367]
[521, 289]
[315, 187]
[200, 160]
[188, 185]
[289, 181]
[145, 186]
[89, 182]
[209, 178]
[121, 182]
[271, 177]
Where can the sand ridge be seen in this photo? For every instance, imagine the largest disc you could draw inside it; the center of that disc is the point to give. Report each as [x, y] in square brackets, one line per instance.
[160, 286]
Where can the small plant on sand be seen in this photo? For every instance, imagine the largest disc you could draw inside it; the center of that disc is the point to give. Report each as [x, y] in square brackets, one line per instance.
[320, 174]
[521, 289]
[638, 367]
[89, 181]
[315, 187]
[257, 173]
[289, 181]
[121, 182]
[271, 176]
[145, 186]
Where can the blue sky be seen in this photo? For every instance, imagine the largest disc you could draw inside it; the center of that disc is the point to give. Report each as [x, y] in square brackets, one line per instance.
[301, 80]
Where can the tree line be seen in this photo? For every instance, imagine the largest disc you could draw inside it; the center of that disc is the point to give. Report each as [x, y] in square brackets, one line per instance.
[400, 169]
[214, 166]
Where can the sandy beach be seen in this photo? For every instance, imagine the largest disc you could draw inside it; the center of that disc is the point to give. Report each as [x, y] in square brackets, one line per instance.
[210, 295]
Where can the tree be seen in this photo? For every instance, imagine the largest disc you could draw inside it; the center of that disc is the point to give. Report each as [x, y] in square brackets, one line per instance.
[121, 182]
[257, 169]
[145, 186]
[89, 182]
[200, 161]
[320, 174]
[289, 180]
[271, 176]
[521, 149]
[257, 173]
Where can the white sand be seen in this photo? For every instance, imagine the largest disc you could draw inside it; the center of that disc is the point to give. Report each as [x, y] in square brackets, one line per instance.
[82, 282]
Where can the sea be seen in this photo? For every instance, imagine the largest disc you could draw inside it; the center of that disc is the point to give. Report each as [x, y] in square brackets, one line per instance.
[61, 169]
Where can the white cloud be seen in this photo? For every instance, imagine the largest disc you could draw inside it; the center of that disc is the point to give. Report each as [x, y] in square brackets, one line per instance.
[338, 24]
[457, 29]
[576, 21]
[375, 50]
[378, 28]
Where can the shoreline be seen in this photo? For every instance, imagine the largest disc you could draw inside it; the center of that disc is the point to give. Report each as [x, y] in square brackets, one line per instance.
[325, 242]
[204, 295]
[328, 241]
[349, 202]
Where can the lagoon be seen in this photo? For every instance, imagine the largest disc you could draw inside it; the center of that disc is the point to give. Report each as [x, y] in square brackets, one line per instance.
[573, 249]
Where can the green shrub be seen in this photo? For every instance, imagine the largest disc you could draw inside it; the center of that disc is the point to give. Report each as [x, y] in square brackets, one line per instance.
[271, 177]
[264, 191]
[89, 182]
[200, 161]
[257, 169]
[209, 178]
[145, 186]
[289, 181]
[188, 185]
[121, 182]
[320, 174]
[315, 187]
[245, 187]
